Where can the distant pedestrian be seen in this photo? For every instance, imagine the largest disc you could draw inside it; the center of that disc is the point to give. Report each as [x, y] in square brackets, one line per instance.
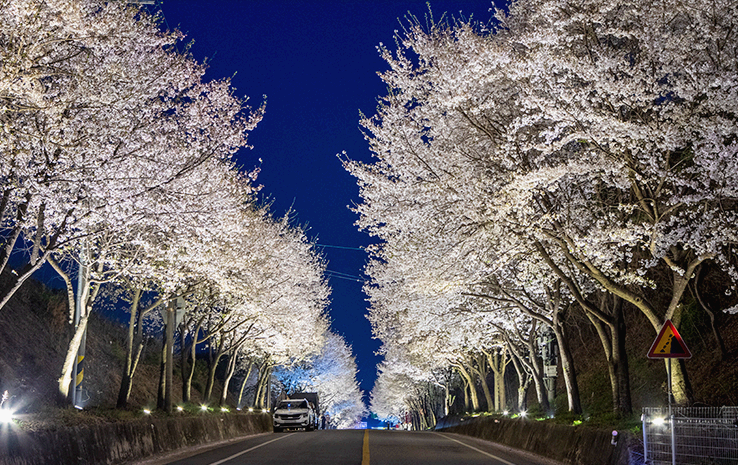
[322, 422]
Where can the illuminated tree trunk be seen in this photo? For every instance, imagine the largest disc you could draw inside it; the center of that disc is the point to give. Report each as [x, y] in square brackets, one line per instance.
[166, 368]
[536, 365]
[65, 381]
[243, 385]
[567, 364]
[213, 359]
[472, 387]
[481, 371]
[524, 380]
[498, 360]
[126, 383]
[231, 369]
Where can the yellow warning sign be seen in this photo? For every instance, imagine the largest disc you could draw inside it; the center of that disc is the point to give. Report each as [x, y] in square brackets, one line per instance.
[669, 344]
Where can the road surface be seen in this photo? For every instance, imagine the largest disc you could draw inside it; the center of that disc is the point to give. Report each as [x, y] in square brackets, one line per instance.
[357, 447]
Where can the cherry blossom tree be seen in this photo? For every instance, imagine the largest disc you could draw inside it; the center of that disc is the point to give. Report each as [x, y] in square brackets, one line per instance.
[332, 374]
[568, 135]
[100, 112]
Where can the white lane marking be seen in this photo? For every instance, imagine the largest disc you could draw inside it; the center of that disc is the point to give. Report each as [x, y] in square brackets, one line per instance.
[249, 450]
[478, 450]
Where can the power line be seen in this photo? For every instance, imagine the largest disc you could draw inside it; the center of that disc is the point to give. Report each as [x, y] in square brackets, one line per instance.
[339, 247]
[346, 276]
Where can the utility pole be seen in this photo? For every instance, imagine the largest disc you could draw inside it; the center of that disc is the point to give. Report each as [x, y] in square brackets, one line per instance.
[549, 354]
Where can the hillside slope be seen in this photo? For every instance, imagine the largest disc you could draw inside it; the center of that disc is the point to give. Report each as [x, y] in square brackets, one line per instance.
[34, 333]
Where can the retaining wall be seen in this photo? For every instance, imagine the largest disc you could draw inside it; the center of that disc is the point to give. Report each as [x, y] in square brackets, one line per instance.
[115, 443]
[575, 445]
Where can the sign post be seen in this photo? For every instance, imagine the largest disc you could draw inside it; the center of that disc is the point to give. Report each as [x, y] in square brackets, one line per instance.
[669, 344]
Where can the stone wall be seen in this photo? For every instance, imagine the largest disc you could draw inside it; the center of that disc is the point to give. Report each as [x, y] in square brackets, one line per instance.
[115, 443]
[575, 445]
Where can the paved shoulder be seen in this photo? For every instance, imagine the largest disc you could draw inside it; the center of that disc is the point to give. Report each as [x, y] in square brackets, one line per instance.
[503, 454]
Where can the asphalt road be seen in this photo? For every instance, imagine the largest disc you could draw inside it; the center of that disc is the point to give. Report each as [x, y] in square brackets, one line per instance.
[358, 447]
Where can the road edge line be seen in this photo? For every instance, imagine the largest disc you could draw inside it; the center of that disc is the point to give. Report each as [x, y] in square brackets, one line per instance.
[219, 462]
[476, 449]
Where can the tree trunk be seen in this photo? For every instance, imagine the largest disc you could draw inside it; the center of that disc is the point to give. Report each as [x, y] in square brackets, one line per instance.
[467, 400]
[716, 334]
[446, 401]
[524, 380]
[65, 380]
[193, 356]
[265, 388]
[211, 375]
[620, 356]
[536, 365]
[243, 385]
[127, 380]
[498, 363]
[485, 389]
[229, 374]
[184, 355]
[567, 365]
[472, 387]
[604, 337]
[259, 387]
[162, 375]
[432, 421]
[169, 388]
[482, 371]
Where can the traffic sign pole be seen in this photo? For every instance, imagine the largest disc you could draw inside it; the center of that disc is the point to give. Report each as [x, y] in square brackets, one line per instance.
[669, 344]
[671, 419]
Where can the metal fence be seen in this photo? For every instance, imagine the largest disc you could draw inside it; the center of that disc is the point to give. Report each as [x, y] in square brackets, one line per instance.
[702, 435]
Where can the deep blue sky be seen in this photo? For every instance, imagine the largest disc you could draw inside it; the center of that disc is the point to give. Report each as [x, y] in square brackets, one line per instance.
[316, 61]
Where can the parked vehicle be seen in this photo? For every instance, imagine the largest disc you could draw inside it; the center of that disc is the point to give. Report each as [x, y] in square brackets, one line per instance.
[311, 397]
[294, 414]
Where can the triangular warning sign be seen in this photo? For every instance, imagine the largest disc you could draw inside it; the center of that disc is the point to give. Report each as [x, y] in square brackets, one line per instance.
[669, 344]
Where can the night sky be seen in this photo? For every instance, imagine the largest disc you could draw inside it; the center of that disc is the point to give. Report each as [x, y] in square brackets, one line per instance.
[316, 61]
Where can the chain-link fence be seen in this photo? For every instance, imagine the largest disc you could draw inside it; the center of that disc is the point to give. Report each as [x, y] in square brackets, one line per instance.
[702, 435]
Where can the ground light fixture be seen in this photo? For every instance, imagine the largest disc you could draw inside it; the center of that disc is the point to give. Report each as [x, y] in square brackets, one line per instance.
[180, 408]
[505, 412]
[659, 421]
[523, 413]
[223, 409]
[147, 411]
[6, 416]
[251, 409]
[203, 408]
[264, 410]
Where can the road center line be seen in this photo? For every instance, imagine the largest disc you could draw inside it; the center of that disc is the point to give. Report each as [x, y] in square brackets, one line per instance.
[478, 450]
[365, 449]
[249, 450]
